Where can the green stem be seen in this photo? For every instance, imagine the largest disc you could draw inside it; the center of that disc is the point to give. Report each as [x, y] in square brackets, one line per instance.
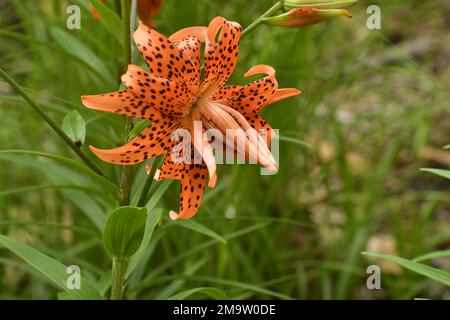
[118, 278]
[127, 25]
[277, 6]
[148, 183]
[118, 264]
[50, 122]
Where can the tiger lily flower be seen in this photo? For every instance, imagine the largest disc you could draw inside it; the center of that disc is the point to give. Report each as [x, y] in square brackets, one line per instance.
[175, 94]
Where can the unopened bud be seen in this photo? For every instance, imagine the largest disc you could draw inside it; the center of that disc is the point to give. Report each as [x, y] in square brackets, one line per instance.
[305, 16]
[318, 4]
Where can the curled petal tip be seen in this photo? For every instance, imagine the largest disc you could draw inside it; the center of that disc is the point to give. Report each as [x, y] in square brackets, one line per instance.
[260, 68]
[272, 168]
[173, 215]
[212, 181]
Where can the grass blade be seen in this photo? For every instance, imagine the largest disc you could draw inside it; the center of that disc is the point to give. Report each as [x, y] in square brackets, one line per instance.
[427, 271]
[53, 270]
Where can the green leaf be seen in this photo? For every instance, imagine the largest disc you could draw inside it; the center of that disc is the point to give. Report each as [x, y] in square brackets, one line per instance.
[173, 287]
[157, 194]
[319, 4]
[151, 223]
[427, 271]
[75, 47]
[209, 291]
[56, 48]
[72, 163]
[124, 231]
[138, 128]
[432, 255]
[447, 147]
[294, 141]
[439, 172]
[51, 269]
[74, 126]
[109, 19]
[200, 228]
[201, 247]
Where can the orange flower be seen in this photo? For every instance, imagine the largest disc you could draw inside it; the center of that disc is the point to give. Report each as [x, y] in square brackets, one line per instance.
[175, 95]
[146, 9]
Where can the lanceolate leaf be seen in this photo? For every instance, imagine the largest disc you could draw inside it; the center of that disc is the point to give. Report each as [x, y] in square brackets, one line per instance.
[433, 255]
[439, 172]
[109, 19]
[211, 292]
[124, 231]
[151, 223]
[427, 271]
[200, 228]
[53, 270]
[75, 47]
[72, 163]
[75, 127]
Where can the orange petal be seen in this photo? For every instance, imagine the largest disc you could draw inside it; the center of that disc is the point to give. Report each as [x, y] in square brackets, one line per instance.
[260, 68]
[163, 57]
[168, 97]
[282, 94]
[202, 145]
[190, 47]
[224, 92]
[193, 184]
[261, 126]
[121, 102]
[153, 141]
[221, 55]
[252, 97]
[198, 32]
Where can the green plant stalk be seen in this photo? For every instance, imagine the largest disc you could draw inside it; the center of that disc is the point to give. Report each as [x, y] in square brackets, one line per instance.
[119, 264]
[118, 278]
[277, 6]
[148, 182]
[127, 21]
[51, 123]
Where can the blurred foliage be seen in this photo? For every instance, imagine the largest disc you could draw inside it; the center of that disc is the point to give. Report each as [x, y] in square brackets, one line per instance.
[374, 110]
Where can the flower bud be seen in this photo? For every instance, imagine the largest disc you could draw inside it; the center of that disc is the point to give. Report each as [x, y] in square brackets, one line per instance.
[318, 4]
[301, 17]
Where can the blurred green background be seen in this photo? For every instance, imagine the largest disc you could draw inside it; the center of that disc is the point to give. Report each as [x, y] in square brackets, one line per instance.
[374, 110]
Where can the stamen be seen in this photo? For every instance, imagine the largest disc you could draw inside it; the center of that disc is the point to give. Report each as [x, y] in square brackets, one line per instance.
[253, 135]
[225, 118]
[202, 146]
